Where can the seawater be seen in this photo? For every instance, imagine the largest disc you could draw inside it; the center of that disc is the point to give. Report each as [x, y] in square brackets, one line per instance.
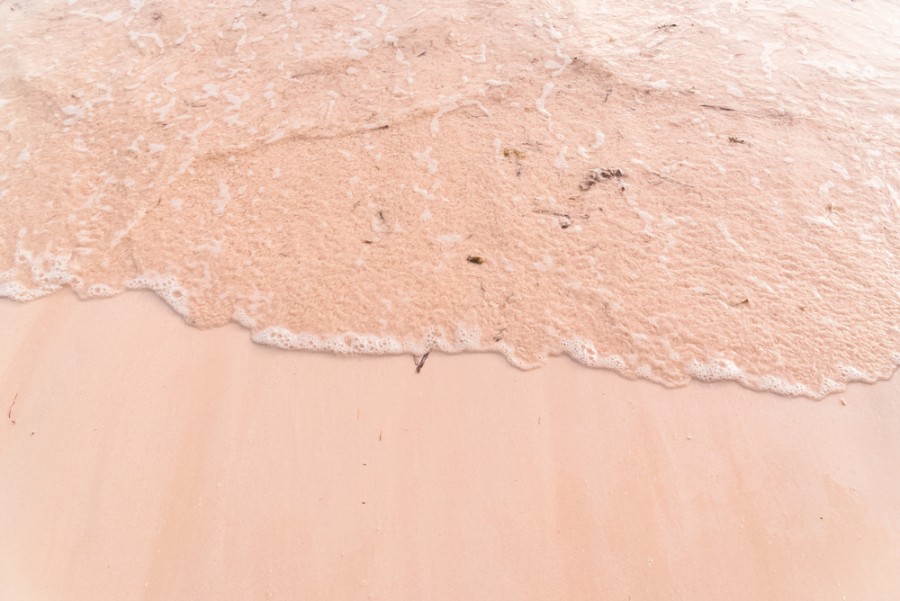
[672, 190]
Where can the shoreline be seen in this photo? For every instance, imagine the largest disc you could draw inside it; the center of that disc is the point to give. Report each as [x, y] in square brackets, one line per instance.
[152, 460]
[348, 344]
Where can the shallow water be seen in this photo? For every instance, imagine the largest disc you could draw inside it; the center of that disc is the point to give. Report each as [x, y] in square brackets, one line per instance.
[673, 190]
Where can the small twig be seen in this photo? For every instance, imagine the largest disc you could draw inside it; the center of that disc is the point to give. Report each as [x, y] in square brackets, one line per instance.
[672, 179]
[718, 107]
[9, 413]
[421, 362]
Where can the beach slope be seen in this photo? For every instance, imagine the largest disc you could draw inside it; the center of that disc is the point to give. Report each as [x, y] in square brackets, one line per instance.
[142, 459]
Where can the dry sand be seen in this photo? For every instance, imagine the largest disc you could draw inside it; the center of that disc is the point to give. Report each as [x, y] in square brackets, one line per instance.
[143, 459]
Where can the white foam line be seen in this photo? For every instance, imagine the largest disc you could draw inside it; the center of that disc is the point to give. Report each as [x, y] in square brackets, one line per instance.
[383, 10]
[110, 17]
[541, 103]
[447, 104]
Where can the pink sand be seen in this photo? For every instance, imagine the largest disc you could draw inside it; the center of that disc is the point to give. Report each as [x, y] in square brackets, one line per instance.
[153, 461]
[676, 191]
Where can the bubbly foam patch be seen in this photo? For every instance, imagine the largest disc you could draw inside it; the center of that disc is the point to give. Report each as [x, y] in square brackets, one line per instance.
[719, 369]
[101, 291]
[48, 273]
[165, 286]
[584, 352]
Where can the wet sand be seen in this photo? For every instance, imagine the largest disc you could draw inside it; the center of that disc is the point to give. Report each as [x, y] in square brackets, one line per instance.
[690, 190]
[143, 459]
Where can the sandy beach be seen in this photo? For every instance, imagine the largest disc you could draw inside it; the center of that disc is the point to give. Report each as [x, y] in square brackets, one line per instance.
[274, 274]
[142, 459]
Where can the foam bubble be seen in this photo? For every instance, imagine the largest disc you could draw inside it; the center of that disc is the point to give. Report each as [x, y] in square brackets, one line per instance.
[584, 352]
[853, 374]
[346, 343]
[717, 369]
[101, 291]
[770, 383]
[241, 316]
[165, 286]
[19, 292]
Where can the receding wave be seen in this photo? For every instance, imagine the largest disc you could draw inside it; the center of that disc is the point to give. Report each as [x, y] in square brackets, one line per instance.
[673, 191]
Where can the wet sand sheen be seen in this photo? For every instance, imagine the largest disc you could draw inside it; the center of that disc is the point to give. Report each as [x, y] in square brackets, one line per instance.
[205, 467]
[698, 190]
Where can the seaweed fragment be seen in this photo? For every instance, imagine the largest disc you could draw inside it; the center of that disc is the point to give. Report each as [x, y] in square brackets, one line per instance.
[598, 175]
[516, 155]
[421, 362]
[475, 259]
